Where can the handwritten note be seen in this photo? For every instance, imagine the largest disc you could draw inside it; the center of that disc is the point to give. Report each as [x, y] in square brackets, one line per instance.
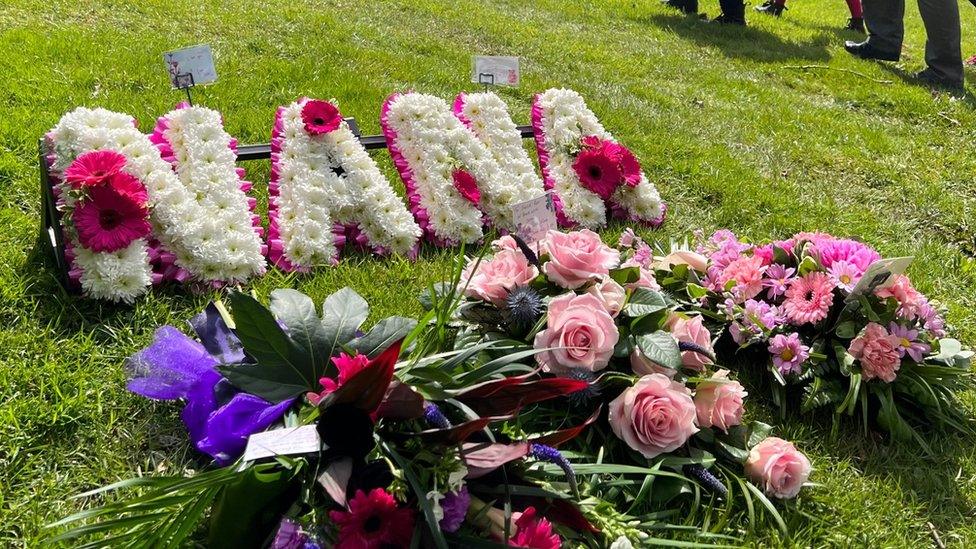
[283, 442]
[191, 66]
[534, 218]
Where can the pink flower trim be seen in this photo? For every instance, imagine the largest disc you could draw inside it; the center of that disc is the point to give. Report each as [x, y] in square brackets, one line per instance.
[406, 174]
[539, 132]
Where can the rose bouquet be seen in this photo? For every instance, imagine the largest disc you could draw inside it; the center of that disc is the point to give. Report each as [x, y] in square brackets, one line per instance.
[830, 318]
[312, 433]
[665, 421]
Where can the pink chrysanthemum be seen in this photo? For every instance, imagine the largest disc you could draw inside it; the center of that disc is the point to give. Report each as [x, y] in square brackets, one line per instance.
[829, 250]
[107, 220]
[534, 531]
[320, 117]
[467, 185]
[789, 353]
[597, 171]
[94, 168]
[373, 521]
[808, 299]
[348, 366]
[844, 274]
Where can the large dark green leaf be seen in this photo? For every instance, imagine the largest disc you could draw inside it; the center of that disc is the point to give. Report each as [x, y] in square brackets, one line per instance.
[342, 314]
[383, 334]
[644, 302]
[297, 312]
[248, 511]
[661, 348]
[283, 369]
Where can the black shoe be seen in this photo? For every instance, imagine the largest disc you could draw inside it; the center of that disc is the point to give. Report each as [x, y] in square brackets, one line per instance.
[934, 79]
[856, 24]
[769, 7]
[865, 50]
[733, 12]
[686, 6]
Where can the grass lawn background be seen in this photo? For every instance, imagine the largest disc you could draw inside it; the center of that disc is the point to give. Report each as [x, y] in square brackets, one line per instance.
[734, 134]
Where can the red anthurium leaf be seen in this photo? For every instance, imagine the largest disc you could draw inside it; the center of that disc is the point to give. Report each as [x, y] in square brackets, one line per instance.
[481, 459]
[507, 395]
[459, 433]
[401, 402]
[366, 389]
[564, 435]
[565, 513]
[335, 478]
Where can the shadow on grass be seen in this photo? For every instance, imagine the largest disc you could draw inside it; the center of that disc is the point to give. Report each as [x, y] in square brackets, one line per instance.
[741, 42]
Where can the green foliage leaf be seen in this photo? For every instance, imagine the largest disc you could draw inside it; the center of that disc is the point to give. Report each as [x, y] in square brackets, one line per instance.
[342, 314]
[644, 302]
[297, 312]
[626, 275]
[846, 330]
[661, 348]
[822, 392]
[383, 334]
[250, 509]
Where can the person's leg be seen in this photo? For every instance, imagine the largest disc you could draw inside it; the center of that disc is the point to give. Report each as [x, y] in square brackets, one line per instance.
[855, 7]
[885, 20]
[942, 44]
[772, 7]
[733, 11]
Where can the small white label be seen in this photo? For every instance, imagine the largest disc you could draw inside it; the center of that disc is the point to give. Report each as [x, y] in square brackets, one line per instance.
[497, 70]
[534, 218]
[283, 442]
[880, 274]
[191, 66]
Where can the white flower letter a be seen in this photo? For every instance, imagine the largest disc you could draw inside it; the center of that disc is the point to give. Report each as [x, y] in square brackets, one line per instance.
[326, 192]
[450, 174]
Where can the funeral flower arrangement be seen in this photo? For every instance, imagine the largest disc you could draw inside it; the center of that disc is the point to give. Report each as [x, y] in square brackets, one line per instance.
[591, 174]
[833, 323]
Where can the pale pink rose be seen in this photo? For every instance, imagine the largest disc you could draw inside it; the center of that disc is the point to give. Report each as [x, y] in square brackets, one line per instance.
[778, 468]
[693, 260]
[655, 416]
[642, 366]
[691, 330]
[877, 350]
[579, 334]
[504, 243]
[611, 294]
[718, 401]
[577, 257]
[494, 278]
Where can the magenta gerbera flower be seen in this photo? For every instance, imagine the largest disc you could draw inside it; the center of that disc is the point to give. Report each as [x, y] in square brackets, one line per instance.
[320, 117]
[94, 168]
[373, 520]
[534, 532]
[808, 298]
[467, 185]
[597, 172]
[108, 220]
[789, 353]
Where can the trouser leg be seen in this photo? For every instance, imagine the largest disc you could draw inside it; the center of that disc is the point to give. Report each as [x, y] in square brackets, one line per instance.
[942, 48]
[885, 20]
[855, 7]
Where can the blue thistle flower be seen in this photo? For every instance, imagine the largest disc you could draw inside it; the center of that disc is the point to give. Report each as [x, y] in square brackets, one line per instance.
[705, 478]
[583, 397]
[524, 306]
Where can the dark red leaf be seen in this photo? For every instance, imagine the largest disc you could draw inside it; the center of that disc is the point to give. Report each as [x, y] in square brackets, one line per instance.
[458, 433]
[366, 389]
[401, 402]
[482, 459]
[559, 437]
[567, 514]
[508, 395]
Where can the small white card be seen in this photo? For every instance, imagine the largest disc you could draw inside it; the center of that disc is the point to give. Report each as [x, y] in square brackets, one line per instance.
[880, 274]
[497, 70]
[283, 442]
[534, 218]
[191, 66]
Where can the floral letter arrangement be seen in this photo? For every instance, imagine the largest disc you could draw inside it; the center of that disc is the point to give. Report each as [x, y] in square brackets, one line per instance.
[588, 171]
[454, 183]
[131, 221]
[828, 338]
[326, 192]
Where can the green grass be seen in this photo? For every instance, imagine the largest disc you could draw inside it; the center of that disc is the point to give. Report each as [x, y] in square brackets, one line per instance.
[734, 134]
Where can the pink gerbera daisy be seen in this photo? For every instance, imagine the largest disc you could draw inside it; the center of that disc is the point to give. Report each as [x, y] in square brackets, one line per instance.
[534, 531]
[108, 220]
[597, 171]
[808, 298]
[320, 117]
[94, 168]
[844, 275]
[373, 521]
[467, 185]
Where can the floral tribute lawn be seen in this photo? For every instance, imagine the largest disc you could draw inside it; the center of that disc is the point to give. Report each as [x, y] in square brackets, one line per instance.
[733, 134]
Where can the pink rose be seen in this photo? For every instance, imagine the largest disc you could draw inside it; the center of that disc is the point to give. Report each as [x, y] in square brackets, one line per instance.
[611, 294]
[496, 277]
[693, 260]
[579, 334]
[691, 330]
[577, 257]
[718, 401]
[778, 468]
[504, 243]
[655, 416]
[642, 366]
[878, 352]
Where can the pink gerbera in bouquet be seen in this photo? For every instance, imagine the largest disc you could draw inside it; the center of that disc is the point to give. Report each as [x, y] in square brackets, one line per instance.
[603, 165]
[830, 317]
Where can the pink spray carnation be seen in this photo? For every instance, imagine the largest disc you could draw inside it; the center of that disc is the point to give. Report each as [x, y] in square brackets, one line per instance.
[534, 531]
[778, 468]
[655, 416]
[348, 366]
[909, 299]
[579, 334]
[492, 279]
[719, 401]
[809, 298]
[877, 351]
[747, 275]
[577, 257]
